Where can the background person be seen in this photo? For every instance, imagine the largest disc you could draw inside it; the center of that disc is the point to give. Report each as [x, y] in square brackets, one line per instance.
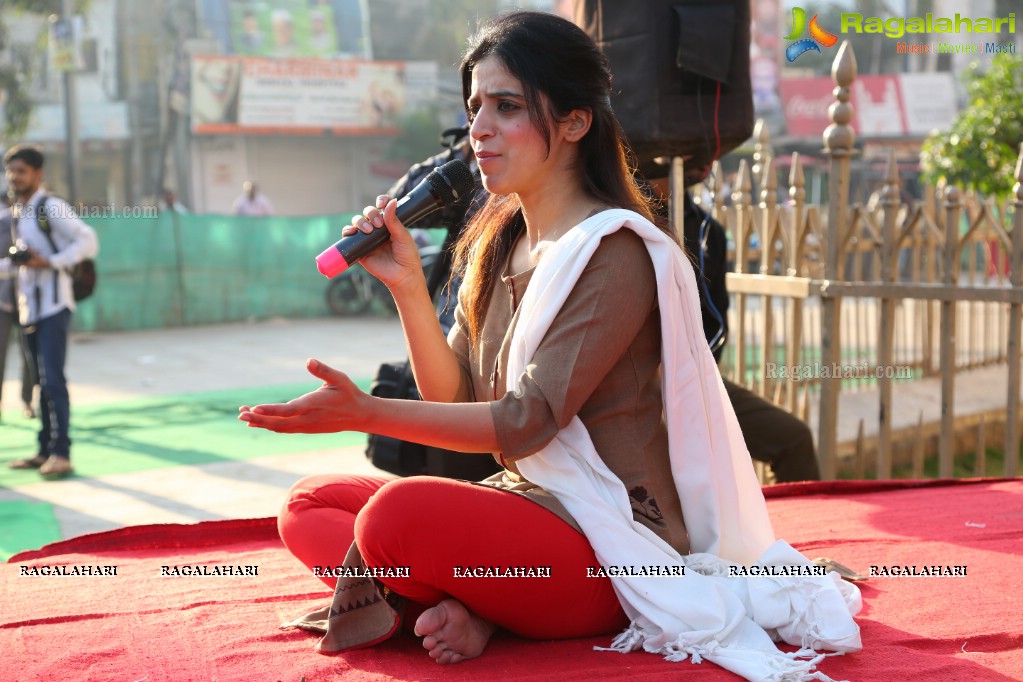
[170, 202]
[45, 299]
[283, 29]
[251, 202]
[773, 435]
[252, 39]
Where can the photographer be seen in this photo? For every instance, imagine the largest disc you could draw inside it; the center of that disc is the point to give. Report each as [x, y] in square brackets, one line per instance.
[48, 240]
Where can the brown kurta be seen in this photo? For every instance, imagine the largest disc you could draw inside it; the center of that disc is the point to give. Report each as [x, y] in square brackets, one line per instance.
[600, 360]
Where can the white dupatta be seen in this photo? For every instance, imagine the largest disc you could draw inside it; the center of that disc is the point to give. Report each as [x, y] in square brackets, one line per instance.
[703, 614]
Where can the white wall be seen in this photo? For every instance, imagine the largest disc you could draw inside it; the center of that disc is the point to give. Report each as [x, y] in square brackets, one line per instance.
[300, 175]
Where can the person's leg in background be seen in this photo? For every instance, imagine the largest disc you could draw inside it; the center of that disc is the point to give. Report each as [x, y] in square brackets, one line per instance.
[28, 377]
[11, 330]
[775, 436]
[47, 342]
[8, 322]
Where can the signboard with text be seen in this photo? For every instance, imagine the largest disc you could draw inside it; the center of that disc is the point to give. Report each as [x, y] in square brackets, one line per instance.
[238, 95]
[895, 105]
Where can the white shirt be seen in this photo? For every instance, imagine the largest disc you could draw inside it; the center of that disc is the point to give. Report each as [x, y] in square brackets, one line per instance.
[260, 206]
[44, 292]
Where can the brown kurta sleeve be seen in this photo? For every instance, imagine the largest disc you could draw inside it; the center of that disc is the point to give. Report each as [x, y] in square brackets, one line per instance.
[598, 322]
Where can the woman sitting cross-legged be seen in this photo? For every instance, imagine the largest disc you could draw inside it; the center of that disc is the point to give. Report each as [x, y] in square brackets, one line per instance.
[578, 358]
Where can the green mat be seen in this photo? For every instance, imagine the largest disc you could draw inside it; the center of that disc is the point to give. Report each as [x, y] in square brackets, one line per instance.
[25, 525]
[153, 433]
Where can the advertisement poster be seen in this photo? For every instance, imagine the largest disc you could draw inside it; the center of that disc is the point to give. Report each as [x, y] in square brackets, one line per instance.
[64, 44]
[888, 105]
[335, 29]
[237, 95]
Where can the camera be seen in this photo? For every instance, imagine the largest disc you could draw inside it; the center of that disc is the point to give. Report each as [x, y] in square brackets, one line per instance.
[19, 256]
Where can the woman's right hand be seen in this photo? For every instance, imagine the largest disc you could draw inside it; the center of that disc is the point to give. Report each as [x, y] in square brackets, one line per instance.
[396, 262]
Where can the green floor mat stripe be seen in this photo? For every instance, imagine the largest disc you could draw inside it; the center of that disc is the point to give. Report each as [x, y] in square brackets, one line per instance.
[157, 432]
[26, 525]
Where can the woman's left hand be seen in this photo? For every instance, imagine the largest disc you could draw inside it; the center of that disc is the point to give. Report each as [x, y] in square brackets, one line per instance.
[337, 405]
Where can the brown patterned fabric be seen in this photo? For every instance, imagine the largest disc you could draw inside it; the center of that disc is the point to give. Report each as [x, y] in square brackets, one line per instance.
[362, 613]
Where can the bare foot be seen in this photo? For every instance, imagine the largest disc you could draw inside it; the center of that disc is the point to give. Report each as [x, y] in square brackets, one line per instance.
[451, 633]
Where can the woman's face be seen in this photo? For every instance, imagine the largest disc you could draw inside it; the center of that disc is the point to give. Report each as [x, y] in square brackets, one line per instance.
[511, 152]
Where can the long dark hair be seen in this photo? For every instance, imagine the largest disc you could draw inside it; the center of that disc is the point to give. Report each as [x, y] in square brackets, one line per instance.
[554, 60]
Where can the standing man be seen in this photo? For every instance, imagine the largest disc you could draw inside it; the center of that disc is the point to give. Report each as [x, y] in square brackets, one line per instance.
[251, 202]
[45, 298]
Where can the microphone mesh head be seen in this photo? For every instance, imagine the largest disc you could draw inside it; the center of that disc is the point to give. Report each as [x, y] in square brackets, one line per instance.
[452, 181]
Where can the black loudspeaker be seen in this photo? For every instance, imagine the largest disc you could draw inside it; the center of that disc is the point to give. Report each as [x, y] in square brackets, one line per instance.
[681, 75]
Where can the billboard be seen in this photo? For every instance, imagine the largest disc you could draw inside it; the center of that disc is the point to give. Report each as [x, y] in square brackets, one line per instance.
[332, 29]
[253, 95]
[893, 105]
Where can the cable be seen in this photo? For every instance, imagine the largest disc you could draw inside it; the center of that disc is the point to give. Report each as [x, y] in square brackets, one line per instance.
[719, 337]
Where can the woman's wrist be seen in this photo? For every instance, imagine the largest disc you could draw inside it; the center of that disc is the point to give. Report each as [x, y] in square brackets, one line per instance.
[371, 411]
[409, 287]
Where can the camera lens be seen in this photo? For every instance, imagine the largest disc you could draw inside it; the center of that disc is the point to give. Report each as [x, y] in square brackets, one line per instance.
[19, 256]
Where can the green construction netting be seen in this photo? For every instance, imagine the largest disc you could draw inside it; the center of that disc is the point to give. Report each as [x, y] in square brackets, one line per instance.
[184, 269]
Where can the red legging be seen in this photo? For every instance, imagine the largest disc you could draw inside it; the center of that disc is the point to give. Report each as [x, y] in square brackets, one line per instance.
[433, 525]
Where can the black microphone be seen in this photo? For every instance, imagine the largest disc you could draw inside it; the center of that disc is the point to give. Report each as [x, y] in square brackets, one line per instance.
[442, 187]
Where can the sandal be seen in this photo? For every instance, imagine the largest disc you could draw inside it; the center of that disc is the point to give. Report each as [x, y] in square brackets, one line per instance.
[31, 463]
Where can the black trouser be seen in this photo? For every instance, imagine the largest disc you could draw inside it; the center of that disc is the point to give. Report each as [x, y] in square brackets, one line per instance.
[774, 436]
[10, 329]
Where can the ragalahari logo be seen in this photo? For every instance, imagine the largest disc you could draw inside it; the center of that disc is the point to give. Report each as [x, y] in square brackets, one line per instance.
[818, 36]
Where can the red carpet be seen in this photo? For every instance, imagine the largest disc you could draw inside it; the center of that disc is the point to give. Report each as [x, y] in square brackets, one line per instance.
[139, 626]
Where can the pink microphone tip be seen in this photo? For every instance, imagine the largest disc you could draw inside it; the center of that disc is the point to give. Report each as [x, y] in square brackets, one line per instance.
[331, 263]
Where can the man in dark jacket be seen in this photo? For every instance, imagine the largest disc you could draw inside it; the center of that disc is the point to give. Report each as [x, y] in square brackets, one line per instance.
[773, 435]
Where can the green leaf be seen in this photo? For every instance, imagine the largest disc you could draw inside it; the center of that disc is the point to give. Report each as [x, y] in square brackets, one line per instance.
[979, 151]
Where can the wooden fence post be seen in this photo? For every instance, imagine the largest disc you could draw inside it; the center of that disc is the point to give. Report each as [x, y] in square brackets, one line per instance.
[839, 138]
[885, 355]
[1014, 349]
[946, 445]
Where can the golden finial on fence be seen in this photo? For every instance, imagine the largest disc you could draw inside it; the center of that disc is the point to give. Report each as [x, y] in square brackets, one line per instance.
[768, 184]
[952, 207]
[742, 198]
[798, 223]
[761, 148]
[797, 181]
[952, 196]
[742, 194]
[839, 137]
[892, 182]
[717, 179]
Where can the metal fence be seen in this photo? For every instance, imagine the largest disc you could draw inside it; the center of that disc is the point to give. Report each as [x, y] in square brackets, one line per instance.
[847, 297]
